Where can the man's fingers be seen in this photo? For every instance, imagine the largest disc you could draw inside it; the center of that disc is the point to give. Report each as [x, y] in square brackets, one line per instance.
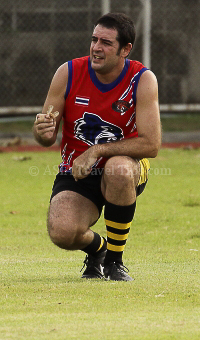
[80, 172]
[44, 131]
[41, 118]
[46, 117]
[47, 128]
[44, 125]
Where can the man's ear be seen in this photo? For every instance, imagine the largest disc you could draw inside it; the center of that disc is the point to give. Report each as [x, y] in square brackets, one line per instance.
[126, 50]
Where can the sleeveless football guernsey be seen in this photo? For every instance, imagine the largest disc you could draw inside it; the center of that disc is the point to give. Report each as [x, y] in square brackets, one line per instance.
[97, 113]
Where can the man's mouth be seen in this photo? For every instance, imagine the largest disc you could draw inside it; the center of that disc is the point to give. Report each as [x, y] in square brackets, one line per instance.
[97, 57]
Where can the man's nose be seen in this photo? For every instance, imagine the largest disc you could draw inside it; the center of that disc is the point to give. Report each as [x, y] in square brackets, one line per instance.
[97, 45]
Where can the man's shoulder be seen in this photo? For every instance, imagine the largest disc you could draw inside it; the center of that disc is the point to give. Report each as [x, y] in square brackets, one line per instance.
[81, 60]
[136, 62]
[136, 65]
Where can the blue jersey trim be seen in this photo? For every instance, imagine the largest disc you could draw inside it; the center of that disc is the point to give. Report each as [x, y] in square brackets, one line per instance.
[69, 83]
[136, 81]
[107, 87]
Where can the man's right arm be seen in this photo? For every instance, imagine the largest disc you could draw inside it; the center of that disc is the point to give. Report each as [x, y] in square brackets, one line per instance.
[45, 129]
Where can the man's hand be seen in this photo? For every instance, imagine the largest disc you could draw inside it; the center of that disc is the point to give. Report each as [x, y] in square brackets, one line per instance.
[82, 165]
[45, 123]
[44, 126]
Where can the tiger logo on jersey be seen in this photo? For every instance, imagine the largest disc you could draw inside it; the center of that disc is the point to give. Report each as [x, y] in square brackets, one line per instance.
[92, 130]
[121, 106]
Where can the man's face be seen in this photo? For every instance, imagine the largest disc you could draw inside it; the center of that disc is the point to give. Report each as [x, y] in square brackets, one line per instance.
[105, 54]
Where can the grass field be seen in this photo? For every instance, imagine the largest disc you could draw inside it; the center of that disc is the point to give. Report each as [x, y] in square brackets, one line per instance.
[42, 295]
[172, 122]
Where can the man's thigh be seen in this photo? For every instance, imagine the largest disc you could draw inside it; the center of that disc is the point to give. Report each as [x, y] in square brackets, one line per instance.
[70, 210]
[89, 187]
[75, 205]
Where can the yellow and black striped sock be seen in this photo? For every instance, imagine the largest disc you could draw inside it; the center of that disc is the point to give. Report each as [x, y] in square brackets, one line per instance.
[97, 246]
[118, 220]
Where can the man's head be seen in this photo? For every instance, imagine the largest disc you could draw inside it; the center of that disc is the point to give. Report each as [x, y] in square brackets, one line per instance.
[122, 24]
[112, 40]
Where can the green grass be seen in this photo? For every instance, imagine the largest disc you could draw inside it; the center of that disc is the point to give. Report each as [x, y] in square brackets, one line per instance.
[20, 126]
[181, 122]
[42, 295]
[172, 122]
[17, 126]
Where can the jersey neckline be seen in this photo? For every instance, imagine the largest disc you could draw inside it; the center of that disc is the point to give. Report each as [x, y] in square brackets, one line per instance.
[107, 87]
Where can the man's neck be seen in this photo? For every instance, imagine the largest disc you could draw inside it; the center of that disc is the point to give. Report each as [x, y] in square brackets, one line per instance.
[108, 78]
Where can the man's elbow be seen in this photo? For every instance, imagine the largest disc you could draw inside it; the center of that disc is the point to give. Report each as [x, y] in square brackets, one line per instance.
[153, 153]
[154, 149]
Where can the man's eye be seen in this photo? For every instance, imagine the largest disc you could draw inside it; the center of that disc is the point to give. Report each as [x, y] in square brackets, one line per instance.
[107, 43]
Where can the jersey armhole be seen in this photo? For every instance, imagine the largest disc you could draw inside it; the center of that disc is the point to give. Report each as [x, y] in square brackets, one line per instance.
[137, 78]
[69, 83]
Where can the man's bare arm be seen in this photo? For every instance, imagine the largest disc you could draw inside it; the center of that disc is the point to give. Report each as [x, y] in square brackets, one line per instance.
[148, 124]
[45, 127]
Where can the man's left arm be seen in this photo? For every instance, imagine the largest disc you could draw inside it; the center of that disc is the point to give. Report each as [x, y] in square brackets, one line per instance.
[148, 142]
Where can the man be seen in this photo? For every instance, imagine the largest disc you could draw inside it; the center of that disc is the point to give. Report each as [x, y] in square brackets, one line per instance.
[111, 125]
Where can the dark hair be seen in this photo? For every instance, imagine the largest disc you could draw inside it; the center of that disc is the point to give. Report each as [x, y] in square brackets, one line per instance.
[122, 23]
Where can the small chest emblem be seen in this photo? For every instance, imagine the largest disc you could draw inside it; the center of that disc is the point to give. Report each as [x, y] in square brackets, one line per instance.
[82, 101]
[121, 106]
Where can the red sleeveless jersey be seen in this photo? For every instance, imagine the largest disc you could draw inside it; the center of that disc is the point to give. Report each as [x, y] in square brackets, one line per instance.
[96, 112]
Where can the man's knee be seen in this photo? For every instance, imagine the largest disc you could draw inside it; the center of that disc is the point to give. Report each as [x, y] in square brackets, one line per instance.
[60, 236]
[121, 170]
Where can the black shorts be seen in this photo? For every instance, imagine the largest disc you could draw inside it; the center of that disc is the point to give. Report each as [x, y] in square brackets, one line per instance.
[89, 187]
